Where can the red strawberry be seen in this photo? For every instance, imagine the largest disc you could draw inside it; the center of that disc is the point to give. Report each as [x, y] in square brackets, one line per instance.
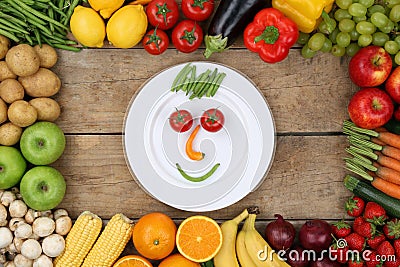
[372, 259]
[375, 213]
[341, 229]
[396, 245]
[392, 229]
[374, 241]
[355, 263]
[364, 228]
[355, 241]
[338, 254]
[355, 206]
[385, 249]
[392, 262]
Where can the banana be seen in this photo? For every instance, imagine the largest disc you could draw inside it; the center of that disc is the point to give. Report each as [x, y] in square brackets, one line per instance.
[226, 256]
[241, 250]
[258, 249]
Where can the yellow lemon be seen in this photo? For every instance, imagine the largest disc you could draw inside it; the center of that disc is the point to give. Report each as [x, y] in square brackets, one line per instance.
[127, 26]
[106, 7]
[88, 27]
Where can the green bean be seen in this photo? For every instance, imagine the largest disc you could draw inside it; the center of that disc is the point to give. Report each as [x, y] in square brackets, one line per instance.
[179, 76]
[37, 36]
[197, 179]
[70, 10]
[207, 84]
[25, 12]
[200, 81]
[217, 83]
[13, 26]
[13, 19]
[67, 47]
[50, 13]
[192, 79]
[57, 10]
[210, 88]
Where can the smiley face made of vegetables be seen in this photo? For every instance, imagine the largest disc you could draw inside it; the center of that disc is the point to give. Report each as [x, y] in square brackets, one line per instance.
[212, 120]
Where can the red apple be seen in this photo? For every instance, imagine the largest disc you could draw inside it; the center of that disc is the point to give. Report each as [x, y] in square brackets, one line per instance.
[396, 114]
[392, 85]
[370, 66]
[370, 108]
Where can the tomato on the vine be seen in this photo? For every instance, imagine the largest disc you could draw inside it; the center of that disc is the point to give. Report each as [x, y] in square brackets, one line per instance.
[163, 14]
[198, 10]
[187, 36]
[155, 41]
[212, 120]
[181, 120]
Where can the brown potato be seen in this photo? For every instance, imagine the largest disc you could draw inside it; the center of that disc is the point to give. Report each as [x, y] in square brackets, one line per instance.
[9, 134]
[11, 90]
[47, 108]
[21, 113]
[23, 60]
[3, 111]
[43, 83]
[4, 46]
[47, 55]
[5, 72]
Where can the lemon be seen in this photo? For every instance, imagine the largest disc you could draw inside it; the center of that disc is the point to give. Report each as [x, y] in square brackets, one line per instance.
[88, 27]
[106, 7]
[127, 26]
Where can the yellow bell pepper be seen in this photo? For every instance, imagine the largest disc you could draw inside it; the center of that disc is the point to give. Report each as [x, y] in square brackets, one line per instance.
[305, 13]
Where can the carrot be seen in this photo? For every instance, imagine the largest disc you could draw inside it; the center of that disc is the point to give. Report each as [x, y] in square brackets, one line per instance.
[392, 152]
[388, 162]
[377, 141]
[390, 139]
[387, 174]
[194, 155]
[386, 187]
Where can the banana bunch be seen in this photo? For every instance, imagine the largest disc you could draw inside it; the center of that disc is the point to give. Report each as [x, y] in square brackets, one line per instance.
[247, 246]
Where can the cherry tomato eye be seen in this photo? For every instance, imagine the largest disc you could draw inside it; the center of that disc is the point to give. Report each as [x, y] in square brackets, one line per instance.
[181, 121]
[155, 41]
[163, 14]
[212, 120]
[187, 36]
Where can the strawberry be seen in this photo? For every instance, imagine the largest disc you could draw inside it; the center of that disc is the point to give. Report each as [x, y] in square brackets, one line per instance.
[396, 245]
[355, 263]
[392, 229]
[338, 254]
[375, 213]
[374, 241]
[363, 227]
[392, 262]
[385, 249]
[355, 206]
[372, 260]
[341, 229]
[355, 241]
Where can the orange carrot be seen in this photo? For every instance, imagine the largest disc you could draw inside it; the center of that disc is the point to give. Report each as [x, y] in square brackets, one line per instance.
[386, 187]
[387, 174]
[388, 162]
[194, 155]
[390, 139]
[377, 141]
[390, 151]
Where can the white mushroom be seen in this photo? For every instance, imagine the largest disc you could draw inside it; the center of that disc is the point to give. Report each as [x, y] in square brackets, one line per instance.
[1, 192]
[3, 215]
[31, 249]
[34, 236]
[63, 225]
[23, 230]
[6, 237]
[17, 209]
[43, 261]
[60, 213]
[43, 226]
[53, 245]
[9, 264]
[13, 224]
[16, 191]
[21, 261]
[3, 258]
[44, 213]
[7, 198]
[30, 216]
[18, 244]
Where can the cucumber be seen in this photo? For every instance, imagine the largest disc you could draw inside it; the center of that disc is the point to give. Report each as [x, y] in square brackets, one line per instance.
[369, 193]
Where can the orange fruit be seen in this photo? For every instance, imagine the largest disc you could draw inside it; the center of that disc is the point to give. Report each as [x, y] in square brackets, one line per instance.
[154, 235]
[199, 238]
[177, 260]
[132, 261]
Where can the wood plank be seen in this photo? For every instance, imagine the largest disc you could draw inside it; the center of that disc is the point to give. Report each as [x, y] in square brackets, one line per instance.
[305, 180]
[304, 95]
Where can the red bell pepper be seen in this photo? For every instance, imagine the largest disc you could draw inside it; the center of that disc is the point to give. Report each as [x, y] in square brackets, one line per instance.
[271, 35]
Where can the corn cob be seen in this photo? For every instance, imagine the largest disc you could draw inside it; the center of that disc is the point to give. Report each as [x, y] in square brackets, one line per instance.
[111, 242]
[79, 240]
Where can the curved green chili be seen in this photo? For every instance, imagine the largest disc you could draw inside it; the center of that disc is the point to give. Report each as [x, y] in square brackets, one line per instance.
[197, 179]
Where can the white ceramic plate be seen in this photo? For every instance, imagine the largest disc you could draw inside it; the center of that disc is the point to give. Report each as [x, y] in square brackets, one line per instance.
[244, 147]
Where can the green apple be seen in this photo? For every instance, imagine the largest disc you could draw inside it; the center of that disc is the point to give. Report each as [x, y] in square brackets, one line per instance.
[42, 188]
[42, 143]
[12, 166]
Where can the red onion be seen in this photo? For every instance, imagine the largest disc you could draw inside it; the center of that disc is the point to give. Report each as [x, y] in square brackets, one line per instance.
[325, 262]
[280, 234]
[315, 235]
[296, 257]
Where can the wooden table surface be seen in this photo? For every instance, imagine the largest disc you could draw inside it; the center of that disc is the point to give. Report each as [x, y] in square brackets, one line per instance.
[308, 99]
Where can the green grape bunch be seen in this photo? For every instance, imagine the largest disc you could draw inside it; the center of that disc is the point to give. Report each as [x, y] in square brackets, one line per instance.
[352, 24]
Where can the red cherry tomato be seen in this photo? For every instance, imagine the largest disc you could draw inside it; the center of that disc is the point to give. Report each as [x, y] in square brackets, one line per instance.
[198, 10]
[212, 120]
[163, 14]
[155, 41]
[181, 120]
[187, 36]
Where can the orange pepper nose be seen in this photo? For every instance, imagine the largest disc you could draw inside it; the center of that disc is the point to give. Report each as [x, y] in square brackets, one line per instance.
[194, 155]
